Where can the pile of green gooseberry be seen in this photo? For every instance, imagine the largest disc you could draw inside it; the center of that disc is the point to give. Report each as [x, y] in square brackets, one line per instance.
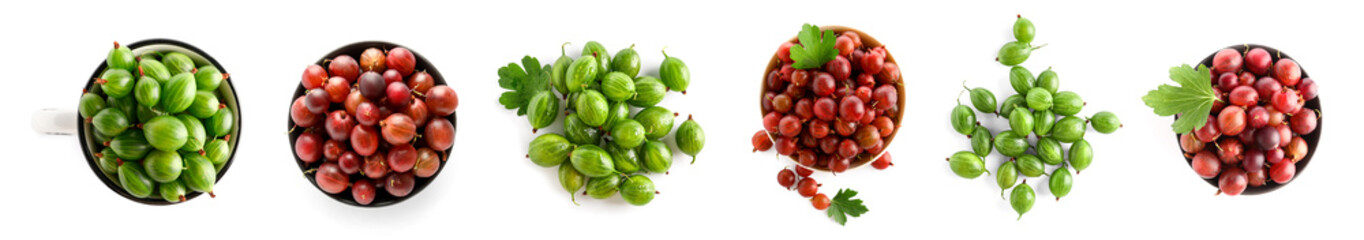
[1032, 111]
[163, 130]
[601, 91]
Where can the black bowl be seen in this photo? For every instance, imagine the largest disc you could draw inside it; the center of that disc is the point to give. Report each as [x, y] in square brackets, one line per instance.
[1314, 104]
[229, 97]
[382, 198]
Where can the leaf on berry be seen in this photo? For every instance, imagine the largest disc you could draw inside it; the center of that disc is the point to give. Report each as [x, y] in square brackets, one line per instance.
[815, 48]
[1192, 100]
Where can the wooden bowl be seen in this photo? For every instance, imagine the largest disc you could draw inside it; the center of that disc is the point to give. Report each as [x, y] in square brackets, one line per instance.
[382, 197]
[868, 41]
[226, 92]
[1312, 139]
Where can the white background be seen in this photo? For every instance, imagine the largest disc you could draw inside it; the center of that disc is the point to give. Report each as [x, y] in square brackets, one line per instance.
[1111, 53]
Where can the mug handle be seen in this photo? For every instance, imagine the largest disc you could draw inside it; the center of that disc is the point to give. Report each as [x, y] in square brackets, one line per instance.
[54, 121]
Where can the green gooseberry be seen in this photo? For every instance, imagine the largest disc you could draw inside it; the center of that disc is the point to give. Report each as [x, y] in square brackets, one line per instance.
[1049, 150]
[134, 181]
[618, 111]
[1022, 199]
[967, 164]
[1014, 53]
[592, 161]
[108, 161]
[1039, 99]
[658, 158]
[91, 104]
[1105, 122]
[1021, 79]
[116, 82]
[205, 104]
[208, 78]
[197, 135]
[1069, 129]
[648, 92]
[580, 133]
[1060, 182]
[559, 71]
[1010, 144]
[1010, 103]
[166, 133]
[982, 99]
[1024, 31]
[628, 133]
[173, 191]
[602, 57]
[1067, 103]
[178, 63]
[121, 57]
[550, 150]
[674, 73]
[1049, 81]
[657, 121]
[1021, 121]
[1081, 155]
[603, 187]
[147, 91]
[111, 121]
[163, 166]
[153, 68]
[963, 119]
[626, 159]
[618, 87]
[571, 180]
[592, 108]
[1006, 176]
[690, 138]
[1030, 165]
[543, 110]
[581, 74]
[1043, 121]
[626, 61]
[981, 141]
[637, 190]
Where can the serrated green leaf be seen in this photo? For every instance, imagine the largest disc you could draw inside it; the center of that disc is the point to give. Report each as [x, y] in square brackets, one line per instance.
[843, 206]
[1192, 100]
[815, 48]
[523, 83]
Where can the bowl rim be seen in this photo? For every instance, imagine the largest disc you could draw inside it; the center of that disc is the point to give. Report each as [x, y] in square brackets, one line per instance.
[382, 199]
[155, 200]
[1312, 139]
[775, 62]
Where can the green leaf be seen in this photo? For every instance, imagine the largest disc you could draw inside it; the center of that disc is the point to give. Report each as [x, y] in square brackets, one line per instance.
[815, 48]
[508, 99]
[843, 206]
[523, 83]
[1192, 100]
[509, 77]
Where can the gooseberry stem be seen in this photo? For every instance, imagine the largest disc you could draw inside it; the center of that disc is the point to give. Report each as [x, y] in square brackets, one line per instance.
[960, 93]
